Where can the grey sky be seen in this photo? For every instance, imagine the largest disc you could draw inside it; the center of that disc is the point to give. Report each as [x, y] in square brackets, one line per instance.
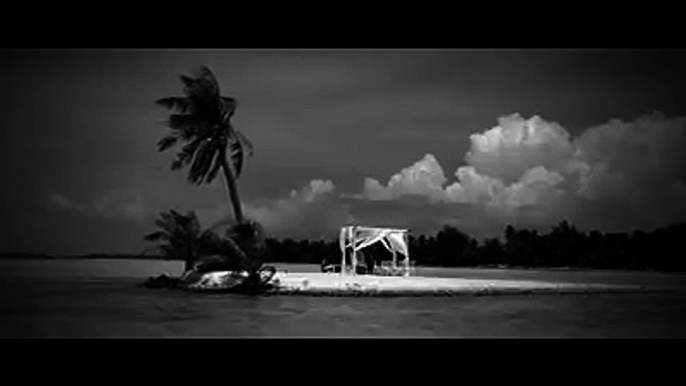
[80, 171]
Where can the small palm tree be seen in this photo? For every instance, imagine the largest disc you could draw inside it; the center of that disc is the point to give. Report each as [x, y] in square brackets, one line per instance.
[246, 243]
[182, 238]
[201, 120]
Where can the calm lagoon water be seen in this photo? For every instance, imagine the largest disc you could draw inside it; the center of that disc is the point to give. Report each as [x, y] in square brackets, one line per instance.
[100, 298]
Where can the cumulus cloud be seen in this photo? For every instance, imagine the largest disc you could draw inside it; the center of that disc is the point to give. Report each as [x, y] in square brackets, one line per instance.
[635, 167]
[473, 187]
[313, 190]
[618, 174]
[537, 186]
[424, 178]
[516, 145]
[632, 160]
[310, 210]
[115, 204]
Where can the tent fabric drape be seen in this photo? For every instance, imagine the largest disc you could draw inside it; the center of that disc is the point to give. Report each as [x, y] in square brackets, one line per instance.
[372, 237]
[397, 243]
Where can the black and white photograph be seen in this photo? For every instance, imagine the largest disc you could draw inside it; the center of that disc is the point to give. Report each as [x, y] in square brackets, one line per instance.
[343, 193]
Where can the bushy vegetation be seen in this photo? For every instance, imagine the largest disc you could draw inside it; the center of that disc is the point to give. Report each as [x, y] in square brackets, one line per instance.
[563, 246]
[240, 249]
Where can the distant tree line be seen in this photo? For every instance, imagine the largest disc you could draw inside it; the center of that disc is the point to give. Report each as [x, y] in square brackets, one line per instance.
[563, 246]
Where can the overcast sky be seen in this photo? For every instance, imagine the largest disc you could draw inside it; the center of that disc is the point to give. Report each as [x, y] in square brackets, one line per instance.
[413, 139]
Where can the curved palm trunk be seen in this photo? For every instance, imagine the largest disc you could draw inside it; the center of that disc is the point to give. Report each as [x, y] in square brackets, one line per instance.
[250, 263]
[233, 189]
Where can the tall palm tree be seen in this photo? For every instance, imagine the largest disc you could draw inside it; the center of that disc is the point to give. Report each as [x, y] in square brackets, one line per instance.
[182, 238]
[201, 120]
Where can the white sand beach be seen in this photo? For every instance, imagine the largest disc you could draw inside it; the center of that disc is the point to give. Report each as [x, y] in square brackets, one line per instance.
[311, 283]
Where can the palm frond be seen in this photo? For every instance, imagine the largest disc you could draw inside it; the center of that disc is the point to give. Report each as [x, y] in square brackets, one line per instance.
[202, 162]
[208, 235]
[188, 126]
[245, 141]
[169, 252]
[229, 102]
[152, 250]
[209, 84]
[193, 223]
[187, 153]
[237, 156]
[180, 104]
[208, 242]
[203, 91]
[182, 222]
[156, 236]
[216, 167]
[167, 142]
[190, 85]
[165, 222]
[230, 248]
[228, 108]
[175, 214]
[177, 164]
[228, 222]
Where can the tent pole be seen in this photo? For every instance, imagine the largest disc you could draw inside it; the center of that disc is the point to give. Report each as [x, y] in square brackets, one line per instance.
[344, 236]
[407, 256]
[354, 257]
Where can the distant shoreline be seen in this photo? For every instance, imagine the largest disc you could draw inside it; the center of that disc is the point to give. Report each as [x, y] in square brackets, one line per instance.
[39, 256]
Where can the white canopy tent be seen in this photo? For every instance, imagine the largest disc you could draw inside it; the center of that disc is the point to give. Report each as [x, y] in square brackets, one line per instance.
[358, 237]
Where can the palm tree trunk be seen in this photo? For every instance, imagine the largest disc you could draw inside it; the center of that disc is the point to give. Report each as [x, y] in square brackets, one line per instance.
[230, 179]
[190, 256]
